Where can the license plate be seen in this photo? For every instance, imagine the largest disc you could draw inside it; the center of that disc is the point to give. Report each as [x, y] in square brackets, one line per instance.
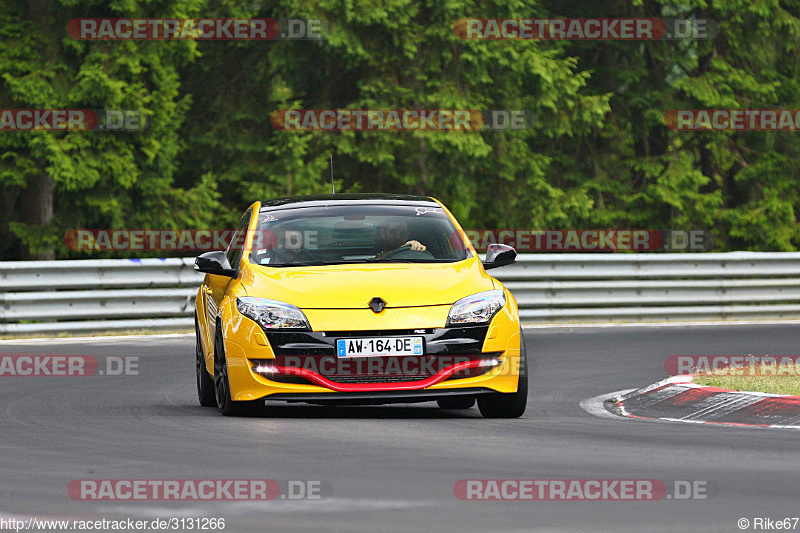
[377, 346]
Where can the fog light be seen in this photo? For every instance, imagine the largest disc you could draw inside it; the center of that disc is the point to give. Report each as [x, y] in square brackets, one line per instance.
[489, 363]
[265, 369]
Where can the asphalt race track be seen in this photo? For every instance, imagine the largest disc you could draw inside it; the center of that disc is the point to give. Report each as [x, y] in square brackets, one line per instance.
[392, 468]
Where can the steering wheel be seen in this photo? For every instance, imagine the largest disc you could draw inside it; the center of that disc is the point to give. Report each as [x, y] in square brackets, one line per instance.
[405, 252]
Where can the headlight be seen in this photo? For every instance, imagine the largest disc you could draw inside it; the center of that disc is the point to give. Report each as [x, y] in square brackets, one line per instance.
[272, 314]
[476, 309]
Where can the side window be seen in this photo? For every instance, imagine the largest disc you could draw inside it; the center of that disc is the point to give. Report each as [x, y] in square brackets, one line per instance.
[236, 247]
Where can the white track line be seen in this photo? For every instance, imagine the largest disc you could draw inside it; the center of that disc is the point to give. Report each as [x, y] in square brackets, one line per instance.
[216, 508]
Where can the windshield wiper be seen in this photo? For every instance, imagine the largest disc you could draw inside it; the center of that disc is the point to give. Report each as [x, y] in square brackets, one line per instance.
[402, 260]
[355, 262]
[310, 263]
[302, 263]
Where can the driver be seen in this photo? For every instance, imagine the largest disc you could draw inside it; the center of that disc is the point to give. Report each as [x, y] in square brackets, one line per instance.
[394, 235]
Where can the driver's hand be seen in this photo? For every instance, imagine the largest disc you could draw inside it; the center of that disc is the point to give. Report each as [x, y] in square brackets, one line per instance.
[416, 246]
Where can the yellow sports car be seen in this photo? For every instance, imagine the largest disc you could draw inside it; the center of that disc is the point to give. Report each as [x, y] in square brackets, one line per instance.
[357, 298]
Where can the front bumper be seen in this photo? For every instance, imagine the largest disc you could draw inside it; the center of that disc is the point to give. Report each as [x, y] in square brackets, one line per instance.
[460, 355]
[370, 398]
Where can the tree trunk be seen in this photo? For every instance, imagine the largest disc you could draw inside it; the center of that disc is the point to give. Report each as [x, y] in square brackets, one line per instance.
[36, 205]
[8, 211]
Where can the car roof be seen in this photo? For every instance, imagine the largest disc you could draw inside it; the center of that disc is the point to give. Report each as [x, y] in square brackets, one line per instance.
[324, 200]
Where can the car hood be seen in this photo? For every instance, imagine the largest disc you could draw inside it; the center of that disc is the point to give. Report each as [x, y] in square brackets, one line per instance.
[353, 286]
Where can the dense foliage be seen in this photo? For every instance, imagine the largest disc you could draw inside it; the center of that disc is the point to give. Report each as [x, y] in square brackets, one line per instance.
[599, 154]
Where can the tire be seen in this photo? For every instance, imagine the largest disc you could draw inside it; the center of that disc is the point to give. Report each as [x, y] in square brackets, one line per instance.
[205, 385]
[456, 402]
[222, 387]
[513, 404]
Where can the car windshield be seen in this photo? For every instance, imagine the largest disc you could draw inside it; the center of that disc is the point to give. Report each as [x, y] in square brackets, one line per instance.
[356, 234]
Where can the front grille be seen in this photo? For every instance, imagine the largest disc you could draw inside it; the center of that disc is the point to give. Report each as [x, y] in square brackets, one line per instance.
[436, 341]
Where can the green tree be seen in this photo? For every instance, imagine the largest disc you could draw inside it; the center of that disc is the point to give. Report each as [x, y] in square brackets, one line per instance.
[741, 186]
[397, 54]
[54, 181]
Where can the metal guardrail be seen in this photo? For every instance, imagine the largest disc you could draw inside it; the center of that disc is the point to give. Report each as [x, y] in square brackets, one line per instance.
[97, 295]
[97, 274]
[655, 288]
[109, 295]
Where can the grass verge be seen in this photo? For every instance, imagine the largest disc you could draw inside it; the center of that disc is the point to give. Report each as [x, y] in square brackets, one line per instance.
[758, 377]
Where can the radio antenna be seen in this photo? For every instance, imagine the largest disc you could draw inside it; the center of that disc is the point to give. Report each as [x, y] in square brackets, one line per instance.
[333, 189]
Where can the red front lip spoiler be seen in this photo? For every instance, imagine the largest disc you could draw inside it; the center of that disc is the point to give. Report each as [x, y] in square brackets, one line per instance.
[358, 387]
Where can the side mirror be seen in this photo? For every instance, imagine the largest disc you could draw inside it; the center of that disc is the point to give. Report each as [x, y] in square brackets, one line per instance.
[498, 255]
[215, 263]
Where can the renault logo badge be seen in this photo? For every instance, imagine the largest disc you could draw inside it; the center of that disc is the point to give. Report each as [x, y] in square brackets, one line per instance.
[377, 305]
